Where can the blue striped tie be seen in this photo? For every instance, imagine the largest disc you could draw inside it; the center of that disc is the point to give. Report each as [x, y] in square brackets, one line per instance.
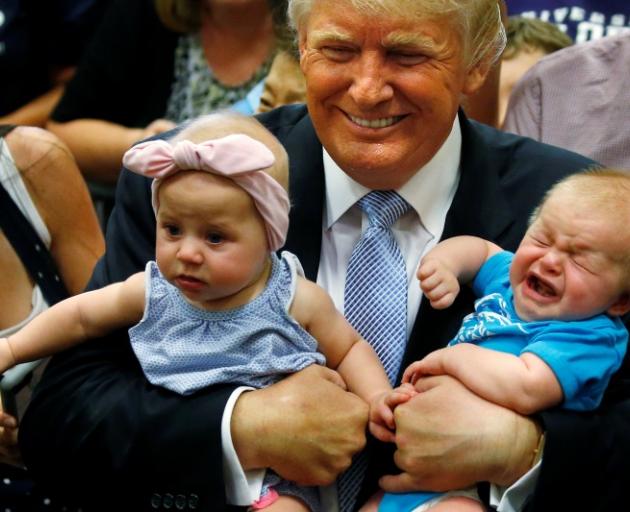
[375, 303]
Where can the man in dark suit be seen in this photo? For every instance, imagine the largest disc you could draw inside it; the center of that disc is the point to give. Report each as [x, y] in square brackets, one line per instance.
[384, 88]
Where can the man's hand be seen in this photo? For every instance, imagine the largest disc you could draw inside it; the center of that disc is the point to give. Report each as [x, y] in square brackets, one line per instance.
[9, 451]
[306, 427]
[449, 438]
[382, 424]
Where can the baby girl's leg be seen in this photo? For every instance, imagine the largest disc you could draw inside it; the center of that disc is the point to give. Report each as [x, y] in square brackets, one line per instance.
[287, 504]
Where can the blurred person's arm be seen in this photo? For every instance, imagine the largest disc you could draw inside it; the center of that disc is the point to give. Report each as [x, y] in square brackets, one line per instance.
[120, 88]
[37, 111]
[99, 145]
[62, 200]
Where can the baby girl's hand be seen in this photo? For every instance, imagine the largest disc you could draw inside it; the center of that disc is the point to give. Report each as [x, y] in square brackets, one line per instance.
[382, 407]
[438, 283]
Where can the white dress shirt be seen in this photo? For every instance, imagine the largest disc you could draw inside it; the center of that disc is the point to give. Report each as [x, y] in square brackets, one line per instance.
[429, 193]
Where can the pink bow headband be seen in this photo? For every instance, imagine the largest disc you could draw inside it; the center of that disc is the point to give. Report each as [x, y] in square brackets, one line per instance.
[237, 157]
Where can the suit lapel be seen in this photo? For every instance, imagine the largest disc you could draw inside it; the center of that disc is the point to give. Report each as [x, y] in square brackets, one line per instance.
[307, 192]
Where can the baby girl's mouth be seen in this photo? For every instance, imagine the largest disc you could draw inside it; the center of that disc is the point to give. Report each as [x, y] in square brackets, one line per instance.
[188, 282]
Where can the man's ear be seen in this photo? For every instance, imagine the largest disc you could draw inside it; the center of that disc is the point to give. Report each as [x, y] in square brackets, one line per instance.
[476, 76]
[621, 306]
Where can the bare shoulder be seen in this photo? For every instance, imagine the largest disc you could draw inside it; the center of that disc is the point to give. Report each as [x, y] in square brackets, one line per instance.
[31, 146]
[52, 178]
[46, 164]
[310, 300]
[132, 293]
[137, 280]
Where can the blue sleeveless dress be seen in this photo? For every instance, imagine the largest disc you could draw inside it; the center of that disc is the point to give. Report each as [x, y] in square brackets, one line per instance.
[184, 348]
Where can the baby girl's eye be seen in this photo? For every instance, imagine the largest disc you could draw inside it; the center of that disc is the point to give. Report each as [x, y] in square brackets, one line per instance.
[172, 230]
[215, 238]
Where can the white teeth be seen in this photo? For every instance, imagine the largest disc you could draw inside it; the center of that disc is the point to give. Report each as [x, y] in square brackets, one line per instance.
[375, 123]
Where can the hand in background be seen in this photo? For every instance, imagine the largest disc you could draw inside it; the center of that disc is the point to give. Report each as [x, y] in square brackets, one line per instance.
[9, 451]
[306, 427]
[158, 126]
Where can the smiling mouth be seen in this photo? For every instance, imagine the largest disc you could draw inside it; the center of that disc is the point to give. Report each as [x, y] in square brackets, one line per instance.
[382, 122]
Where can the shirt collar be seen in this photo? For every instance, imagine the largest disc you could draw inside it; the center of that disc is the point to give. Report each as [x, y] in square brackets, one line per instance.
[429, 191]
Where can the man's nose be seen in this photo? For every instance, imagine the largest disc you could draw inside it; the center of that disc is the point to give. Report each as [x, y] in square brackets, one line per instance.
[370, 83]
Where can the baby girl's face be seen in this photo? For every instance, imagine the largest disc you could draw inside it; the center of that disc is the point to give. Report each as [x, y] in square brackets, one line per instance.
[211, 241]
[567, 266]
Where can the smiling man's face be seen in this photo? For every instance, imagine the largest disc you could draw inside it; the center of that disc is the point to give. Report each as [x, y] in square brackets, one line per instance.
[383, 91]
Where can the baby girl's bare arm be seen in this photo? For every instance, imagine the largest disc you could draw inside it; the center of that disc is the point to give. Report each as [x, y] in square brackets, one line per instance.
[74, 320]
[342, 345]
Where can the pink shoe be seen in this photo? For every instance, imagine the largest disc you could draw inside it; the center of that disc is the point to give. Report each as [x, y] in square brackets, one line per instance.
[265, 500]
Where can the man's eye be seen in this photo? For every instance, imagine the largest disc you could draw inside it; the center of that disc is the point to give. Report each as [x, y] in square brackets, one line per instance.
[408, 59]
[337, 53]
[215, 238]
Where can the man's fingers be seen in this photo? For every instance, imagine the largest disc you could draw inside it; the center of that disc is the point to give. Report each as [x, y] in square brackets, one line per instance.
[424, 384]
[398, 483]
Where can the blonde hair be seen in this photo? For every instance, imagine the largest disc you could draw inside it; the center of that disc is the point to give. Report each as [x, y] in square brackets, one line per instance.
[528, 34]
[602, 190]
[185, 16]
[478, 20]
[226, 122]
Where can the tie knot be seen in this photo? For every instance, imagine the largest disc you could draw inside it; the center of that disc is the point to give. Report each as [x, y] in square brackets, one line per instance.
[383, 207]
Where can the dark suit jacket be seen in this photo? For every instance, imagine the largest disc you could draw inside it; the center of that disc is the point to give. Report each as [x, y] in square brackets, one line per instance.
[97, 428]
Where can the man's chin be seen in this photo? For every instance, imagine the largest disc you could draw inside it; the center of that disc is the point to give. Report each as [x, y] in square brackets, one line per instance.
[373, 171]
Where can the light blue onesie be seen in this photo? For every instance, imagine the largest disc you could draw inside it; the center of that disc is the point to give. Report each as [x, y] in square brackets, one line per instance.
[583, 354]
